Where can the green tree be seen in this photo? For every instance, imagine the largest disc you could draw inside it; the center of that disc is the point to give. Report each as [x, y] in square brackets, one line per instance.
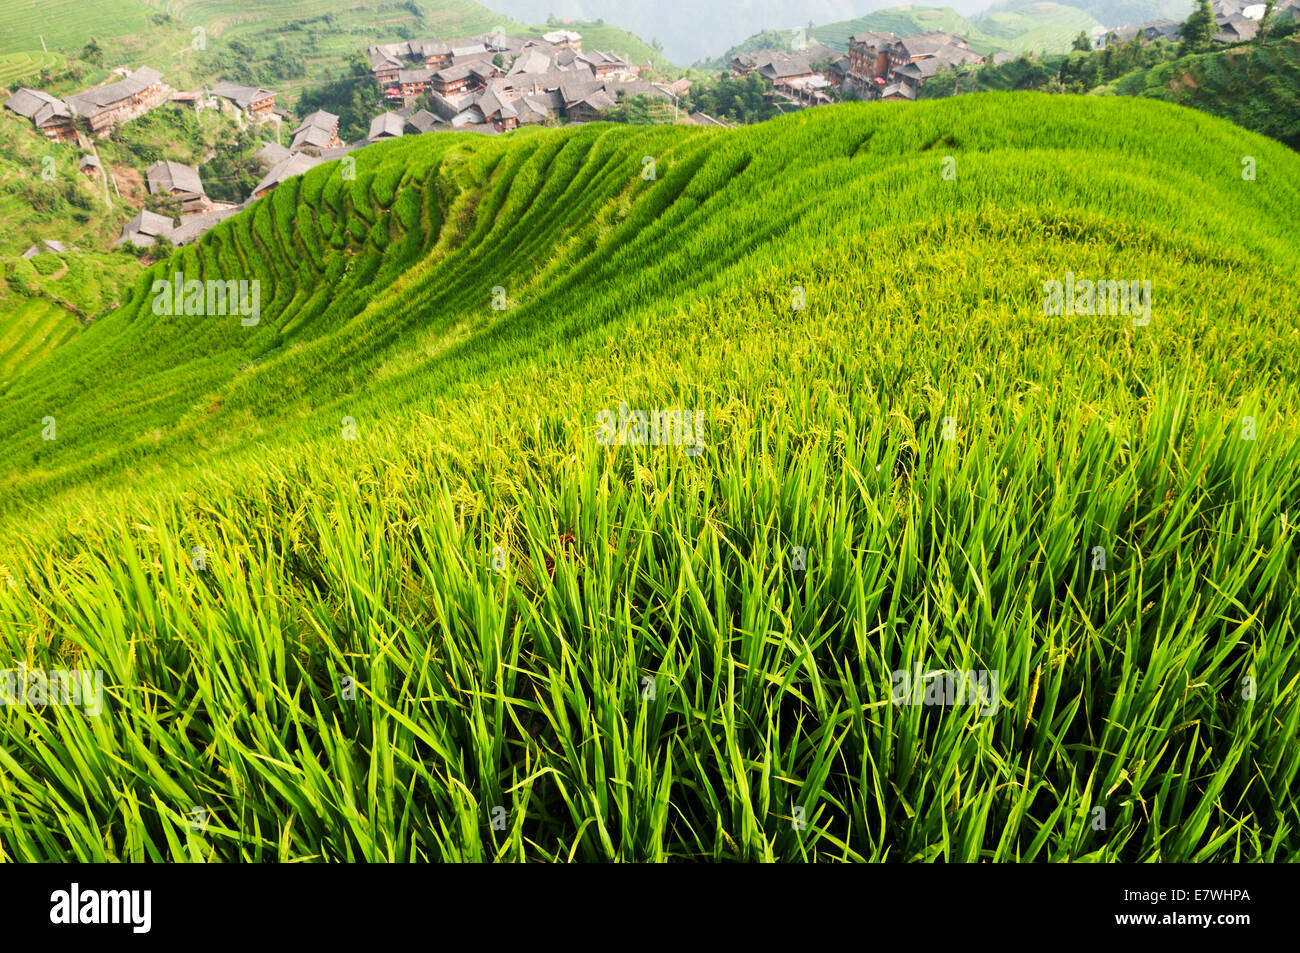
[1079, 72]
[1082, 43]
[1198, 30]
[92, 52]
[353, 98]
[166, 205]
[1266, 22]
[161, 248]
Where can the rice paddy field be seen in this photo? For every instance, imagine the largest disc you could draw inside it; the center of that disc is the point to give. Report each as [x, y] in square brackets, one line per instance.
[368, 579]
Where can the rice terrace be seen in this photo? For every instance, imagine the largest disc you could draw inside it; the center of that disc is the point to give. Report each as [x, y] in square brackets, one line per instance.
[870, 481]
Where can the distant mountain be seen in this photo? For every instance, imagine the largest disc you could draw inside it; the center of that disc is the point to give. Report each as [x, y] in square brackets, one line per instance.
[1109, 12]
[1027, 27]
[711, 33]
[901, 20]
[690, 31]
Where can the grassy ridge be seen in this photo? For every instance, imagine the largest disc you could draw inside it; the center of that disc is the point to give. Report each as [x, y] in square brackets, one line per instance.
[500, 586]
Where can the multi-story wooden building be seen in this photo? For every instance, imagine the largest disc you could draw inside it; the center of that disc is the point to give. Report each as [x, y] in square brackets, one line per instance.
[104, 106]
[412, 83]
[50, 115]
[453, 80]
[256, 103]
[869, 55]
[318, 132]
[180, 181]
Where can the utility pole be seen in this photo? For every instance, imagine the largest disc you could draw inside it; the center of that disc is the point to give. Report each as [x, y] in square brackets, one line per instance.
[43, 49]
[104, 174]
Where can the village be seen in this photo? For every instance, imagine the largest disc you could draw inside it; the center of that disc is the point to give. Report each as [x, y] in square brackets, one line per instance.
[490, 83]
[494, 83]
[883, 66]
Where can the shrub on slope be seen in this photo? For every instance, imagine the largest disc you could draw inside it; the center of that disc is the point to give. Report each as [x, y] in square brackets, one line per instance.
[1257, 86]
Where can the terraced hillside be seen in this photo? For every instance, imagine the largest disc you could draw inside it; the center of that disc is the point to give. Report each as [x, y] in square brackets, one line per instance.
[366, 579]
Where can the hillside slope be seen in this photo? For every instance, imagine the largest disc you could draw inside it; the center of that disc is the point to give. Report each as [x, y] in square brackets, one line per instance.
[1256, 86]
[640, 652]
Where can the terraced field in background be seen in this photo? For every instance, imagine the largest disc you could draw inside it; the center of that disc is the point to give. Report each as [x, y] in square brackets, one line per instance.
[29, 330]
[15, 67]
[363, 580]
[67, 24]
[1036, 27]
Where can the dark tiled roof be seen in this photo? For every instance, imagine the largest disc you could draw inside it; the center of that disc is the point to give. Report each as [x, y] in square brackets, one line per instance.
[169, 176]
[386, 125]
[241, 96]
[28, 103]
